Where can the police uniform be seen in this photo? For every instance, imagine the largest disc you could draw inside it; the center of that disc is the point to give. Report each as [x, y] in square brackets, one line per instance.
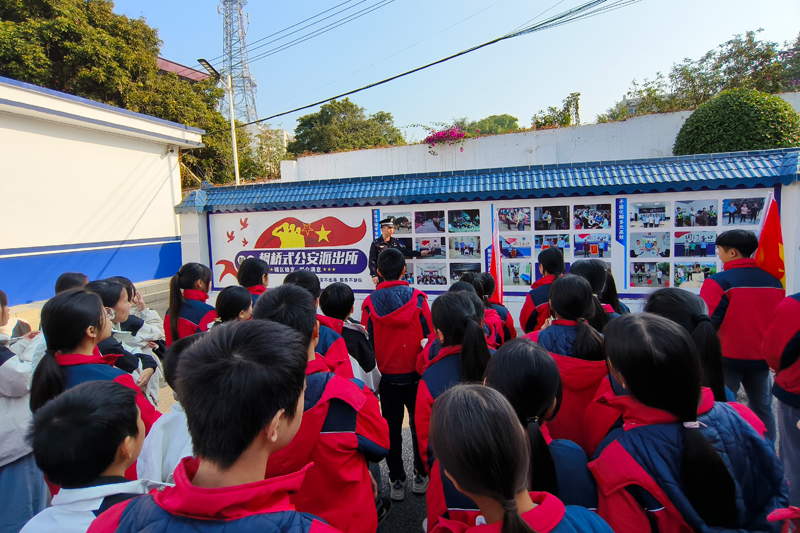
[379, 245]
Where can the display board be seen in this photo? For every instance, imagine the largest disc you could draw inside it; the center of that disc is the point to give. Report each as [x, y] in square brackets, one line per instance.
[650, 240]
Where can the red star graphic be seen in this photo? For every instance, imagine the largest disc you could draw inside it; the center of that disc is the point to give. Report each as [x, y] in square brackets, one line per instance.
[306, 229]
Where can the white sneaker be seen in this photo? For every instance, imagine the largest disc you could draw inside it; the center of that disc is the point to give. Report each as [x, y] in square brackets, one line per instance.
[425, 526]
[420, 485]
[398, 491]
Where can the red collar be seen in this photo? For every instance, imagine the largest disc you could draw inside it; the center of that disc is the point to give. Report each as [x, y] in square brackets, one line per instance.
[562, 322]
[545, 517]
[227, 503]
[387, 284]
[72, 359]
[320, 364]
[740, 263]
[636, 414]
[255, 289]
[444, 352]
[546, 433]
[193, 294]
[545, 280]
[334, 323]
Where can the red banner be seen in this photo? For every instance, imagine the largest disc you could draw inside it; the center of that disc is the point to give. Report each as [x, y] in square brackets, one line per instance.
[291, 232]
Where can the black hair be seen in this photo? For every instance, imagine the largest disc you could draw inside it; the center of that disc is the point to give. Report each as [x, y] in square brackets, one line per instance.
[661, 368]
[741, 240]
[337, 300]
[391, 263]
[173, 355]
[3, 300]
[458, 315]
[290, 305]
[480, 444]
[552, 261]
[252, 271]
[478, 282]
[70, 280]
[460, 286]
[690, 312]
[489, 284]
[306, 279]
[75, 436]
[233, 381]
[65, 318]
[610, 295]
[130, 288]
[572, 299]
[528, 377]
[108, 291]
[185, 278]
[232, 301]
[593, 271]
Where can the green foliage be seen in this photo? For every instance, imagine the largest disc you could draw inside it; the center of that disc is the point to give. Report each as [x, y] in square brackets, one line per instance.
[343, 125]
[491, 125]
[736, 120]
[568, 115]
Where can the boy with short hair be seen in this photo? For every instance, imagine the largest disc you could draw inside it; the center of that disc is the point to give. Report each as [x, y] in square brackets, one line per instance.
[342, 427]
[397, 318]
[741, 301]
[536, 309]
[241, 387]
[168, 441]
[84, 440]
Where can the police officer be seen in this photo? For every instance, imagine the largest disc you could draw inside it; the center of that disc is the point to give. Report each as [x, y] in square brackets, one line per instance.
[387, 241]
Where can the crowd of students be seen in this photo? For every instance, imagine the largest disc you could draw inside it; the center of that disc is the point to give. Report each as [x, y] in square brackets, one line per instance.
[596, 420]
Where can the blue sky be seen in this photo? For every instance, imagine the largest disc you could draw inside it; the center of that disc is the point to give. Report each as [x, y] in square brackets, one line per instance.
[597, 57]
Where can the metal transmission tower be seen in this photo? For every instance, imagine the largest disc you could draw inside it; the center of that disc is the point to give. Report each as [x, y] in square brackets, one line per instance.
[235, 64]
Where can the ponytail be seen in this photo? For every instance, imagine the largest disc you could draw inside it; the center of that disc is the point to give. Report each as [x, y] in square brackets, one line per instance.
[185, 278]
[542, 468]
[707, 482]
[593, 271]
[571, 298]
[474, 352]
[48, 381]
[512, 521]
[599, 318]
[458, 315]
[588, 343]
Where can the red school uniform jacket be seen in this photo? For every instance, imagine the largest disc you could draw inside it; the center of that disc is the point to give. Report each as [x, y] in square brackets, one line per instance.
[741, 302]
[342, 428]
[184, 508]
[492, 321]
[781, 349]
[509, 331]
[536, 308]
[195, 315]
[397, 318]
[331, 344]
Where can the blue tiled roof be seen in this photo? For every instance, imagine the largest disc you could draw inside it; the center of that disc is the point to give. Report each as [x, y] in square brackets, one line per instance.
[686, 173]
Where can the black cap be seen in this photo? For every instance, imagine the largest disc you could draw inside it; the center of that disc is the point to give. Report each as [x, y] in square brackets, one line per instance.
[388, 221]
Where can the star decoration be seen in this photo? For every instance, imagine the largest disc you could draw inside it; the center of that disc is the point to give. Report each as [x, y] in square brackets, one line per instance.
[306, 229]
[322, 235]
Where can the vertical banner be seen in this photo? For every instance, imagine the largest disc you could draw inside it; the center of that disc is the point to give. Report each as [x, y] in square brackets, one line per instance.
[622, 228]
[376, 223]
[496, 264]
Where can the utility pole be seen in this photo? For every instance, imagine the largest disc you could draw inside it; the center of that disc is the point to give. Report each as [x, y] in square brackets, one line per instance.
[235, 63]
[229, 86]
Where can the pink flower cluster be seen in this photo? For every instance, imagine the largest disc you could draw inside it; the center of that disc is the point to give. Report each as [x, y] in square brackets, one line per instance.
[450, 136]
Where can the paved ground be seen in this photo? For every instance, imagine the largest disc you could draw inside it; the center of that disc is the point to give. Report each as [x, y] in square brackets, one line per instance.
[406, 516]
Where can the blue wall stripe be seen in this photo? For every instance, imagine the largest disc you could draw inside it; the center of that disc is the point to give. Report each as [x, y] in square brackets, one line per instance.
[56, 248]
[32, 278]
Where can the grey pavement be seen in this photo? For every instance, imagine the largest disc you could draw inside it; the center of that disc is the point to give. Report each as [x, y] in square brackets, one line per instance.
[406, 516]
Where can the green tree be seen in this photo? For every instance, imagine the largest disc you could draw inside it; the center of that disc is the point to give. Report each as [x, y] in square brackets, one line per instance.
[736, 120]
[491, 125]
[568, 115]
[343, 125]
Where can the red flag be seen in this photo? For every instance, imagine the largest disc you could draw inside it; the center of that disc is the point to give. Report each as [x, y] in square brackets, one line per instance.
[769, 255]
[496, 269]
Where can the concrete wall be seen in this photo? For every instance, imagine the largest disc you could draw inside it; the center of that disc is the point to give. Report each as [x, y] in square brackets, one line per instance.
[637, 138]
[86, 187]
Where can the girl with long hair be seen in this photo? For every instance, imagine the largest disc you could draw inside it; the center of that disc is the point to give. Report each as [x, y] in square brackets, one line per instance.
[595, 272]
[188, 311]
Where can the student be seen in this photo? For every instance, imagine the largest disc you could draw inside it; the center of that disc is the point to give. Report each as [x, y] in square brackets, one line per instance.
[781, 350]
[253, 275]
[486, 454]
[168, 441]
[22, 487]
[233, 436]
[741, 302]
[73, 322]
[331, 344]
[84, 440]
[610, 296]
[397, 318]
[70, 280]
[729, 477]
[535, 309]
[188, 311]
[527, 376]
[595, 272]
[462, 358]
[144, 324]
[491, 318]
[342, 427]
[578, 351]
[234, 304]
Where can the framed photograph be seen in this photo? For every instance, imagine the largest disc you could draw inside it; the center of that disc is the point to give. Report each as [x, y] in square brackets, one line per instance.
[513, 246]
[551, 218]
[435, 246]
[691, 275]
[649, 245]
[464, 220]
[592, 245]
[459, 269]
[465, 248]
[514, 218]
[429, 222]
[742, 211]
[649, 214]
[560, 241]
[592, 216]
[516, 273]
[694, 213]
[650, 275]
[407, 242]
[432, 274]
[409, 275]
[402, 222]
[695, 243]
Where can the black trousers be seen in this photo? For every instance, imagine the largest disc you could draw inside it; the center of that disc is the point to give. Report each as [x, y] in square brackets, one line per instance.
[394, 400]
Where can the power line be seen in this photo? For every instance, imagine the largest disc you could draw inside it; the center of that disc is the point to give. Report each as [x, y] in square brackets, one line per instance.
[582, 11]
